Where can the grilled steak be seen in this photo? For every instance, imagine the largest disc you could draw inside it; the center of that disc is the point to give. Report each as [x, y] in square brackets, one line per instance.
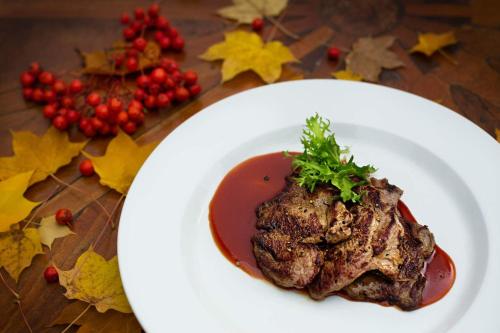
[312, 240]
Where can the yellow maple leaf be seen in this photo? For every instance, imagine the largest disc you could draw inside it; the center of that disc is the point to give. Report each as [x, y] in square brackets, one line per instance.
[119, 165]
[243, 51]
[96, 281]
[497, 134]
[429, 43]
[13, 205]
[347, 75]
[43, 154]
[17, 249]
[245, 11]
[50, 230]
[92, 321]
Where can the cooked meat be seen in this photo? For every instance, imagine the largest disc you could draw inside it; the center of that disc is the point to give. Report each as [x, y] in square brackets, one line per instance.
[367, 250]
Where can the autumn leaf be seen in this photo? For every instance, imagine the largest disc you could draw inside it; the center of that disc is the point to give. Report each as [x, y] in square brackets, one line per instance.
[370, 55]
[497, 134]
[93, 321]
[243, 51]
[14, 207]
[429, 43]
[245, 11]
[49, 230]
[96, 281]
[100, 62]
[119, 165]
[17, 249]
[347, 75]
[45, 154]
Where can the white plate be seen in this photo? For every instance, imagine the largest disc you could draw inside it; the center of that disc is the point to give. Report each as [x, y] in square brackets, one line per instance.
[177, 280]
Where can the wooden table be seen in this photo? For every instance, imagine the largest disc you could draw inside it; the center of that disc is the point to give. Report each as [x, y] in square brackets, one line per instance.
[49, 31]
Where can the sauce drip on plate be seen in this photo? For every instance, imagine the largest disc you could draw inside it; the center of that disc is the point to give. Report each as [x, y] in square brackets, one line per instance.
[246, 186]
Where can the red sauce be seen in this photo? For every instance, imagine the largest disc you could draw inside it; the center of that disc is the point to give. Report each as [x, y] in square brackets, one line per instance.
[246, 186]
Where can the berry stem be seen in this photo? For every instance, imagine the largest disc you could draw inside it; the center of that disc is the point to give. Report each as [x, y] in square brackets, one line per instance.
[77, 317]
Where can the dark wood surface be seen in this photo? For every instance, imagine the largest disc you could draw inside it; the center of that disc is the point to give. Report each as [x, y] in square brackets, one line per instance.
[49, 31]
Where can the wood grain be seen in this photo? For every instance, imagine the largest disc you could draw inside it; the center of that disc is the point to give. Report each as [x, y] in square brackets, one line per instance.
[49, 31]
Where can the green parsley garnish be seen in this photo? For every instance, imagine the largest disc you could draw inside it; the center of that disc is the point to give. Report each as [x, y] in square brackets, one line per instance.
[323, 161]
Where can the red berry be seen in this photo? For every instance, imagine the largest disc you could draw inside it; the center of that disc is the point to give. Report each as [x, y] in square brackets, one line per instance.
[139, 94]
[93, 99]
[46, 78]
[49, 96]
[143, 81]
[139, 13]
[150, 102]
[162, 23]
[113, 130]
[38, 95]
[154, 89]
[176, 76]
[136, 26]
[170, 94]
[35, 68]
[67, 102]
[136, 115]
[122, 118]
[135, 104]
[159, 35]
[178, 44]
[165, 63]
[28, 94]
[50, 274]
[102, 111]
[64, 216]
[158, 75]
[162, 100]
[27, 79]
[190, 77]
[257, 24]
[128, 33]
[131, 53]
[125, 18]
[49, 111]
[333, 53]
[169, 83]
[63, 112]
[59, 87]
[86, 168]
[181, 94]
[148, 21]
[105, 128]
[119, 59]
[84, 122]
[75, 86]
[73, 116]
[96, 123]
[115, 105]
[132, 64]
[60, 122]
[173, 33]
[89, 131]
[164, 43]
[130, 128]
[194, 90]
[139, 44]
[154, 10]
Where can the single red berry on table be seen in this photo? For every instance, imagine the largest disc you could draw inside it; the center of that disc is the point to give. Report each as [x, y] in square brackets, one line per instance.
[125, 18]
[49, 96]
[139, 44]
[115, 105]
[181, 94]
[162, 100]
[130, 127]
[60, 122]
[194, 90]
[37, 95]
[154, 10]
[75, 86]
[64, 216]
[150, 102]
[49, 111]
[59, 87]
[139, 94]
[333, 53]
[122, 118]
[139, 13]
[165, 42]
[190, 77]
[73, 116]
[27, 79]
[67, 102]
[46, 78]
[154, 89]
[132, 64]
[28, 94]
[257, 24]
[102, 111]
[35, 68]
[162, 23]
[178, 43]
[128, 33]
[93, 99]
[50, 274]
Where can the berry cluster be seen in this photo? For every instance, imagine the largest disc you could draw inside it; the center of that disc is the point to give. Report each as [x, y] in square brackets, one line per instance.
[166, 84]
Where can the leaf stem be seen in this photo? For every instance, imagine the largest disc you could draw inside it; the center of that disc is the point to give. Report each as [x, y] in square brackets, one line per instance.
[18, 301]
[43, 204]
[282, 27]
[76, 319]
[448, 57]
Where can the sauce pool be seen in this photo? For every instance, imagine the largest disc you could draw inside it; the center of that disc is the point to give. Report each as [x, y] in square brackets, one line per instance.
[250, 183]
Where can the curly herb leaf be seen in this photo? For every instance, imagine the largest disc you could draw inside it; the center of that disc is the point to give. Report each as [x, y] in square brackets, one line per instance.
[323, 161]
